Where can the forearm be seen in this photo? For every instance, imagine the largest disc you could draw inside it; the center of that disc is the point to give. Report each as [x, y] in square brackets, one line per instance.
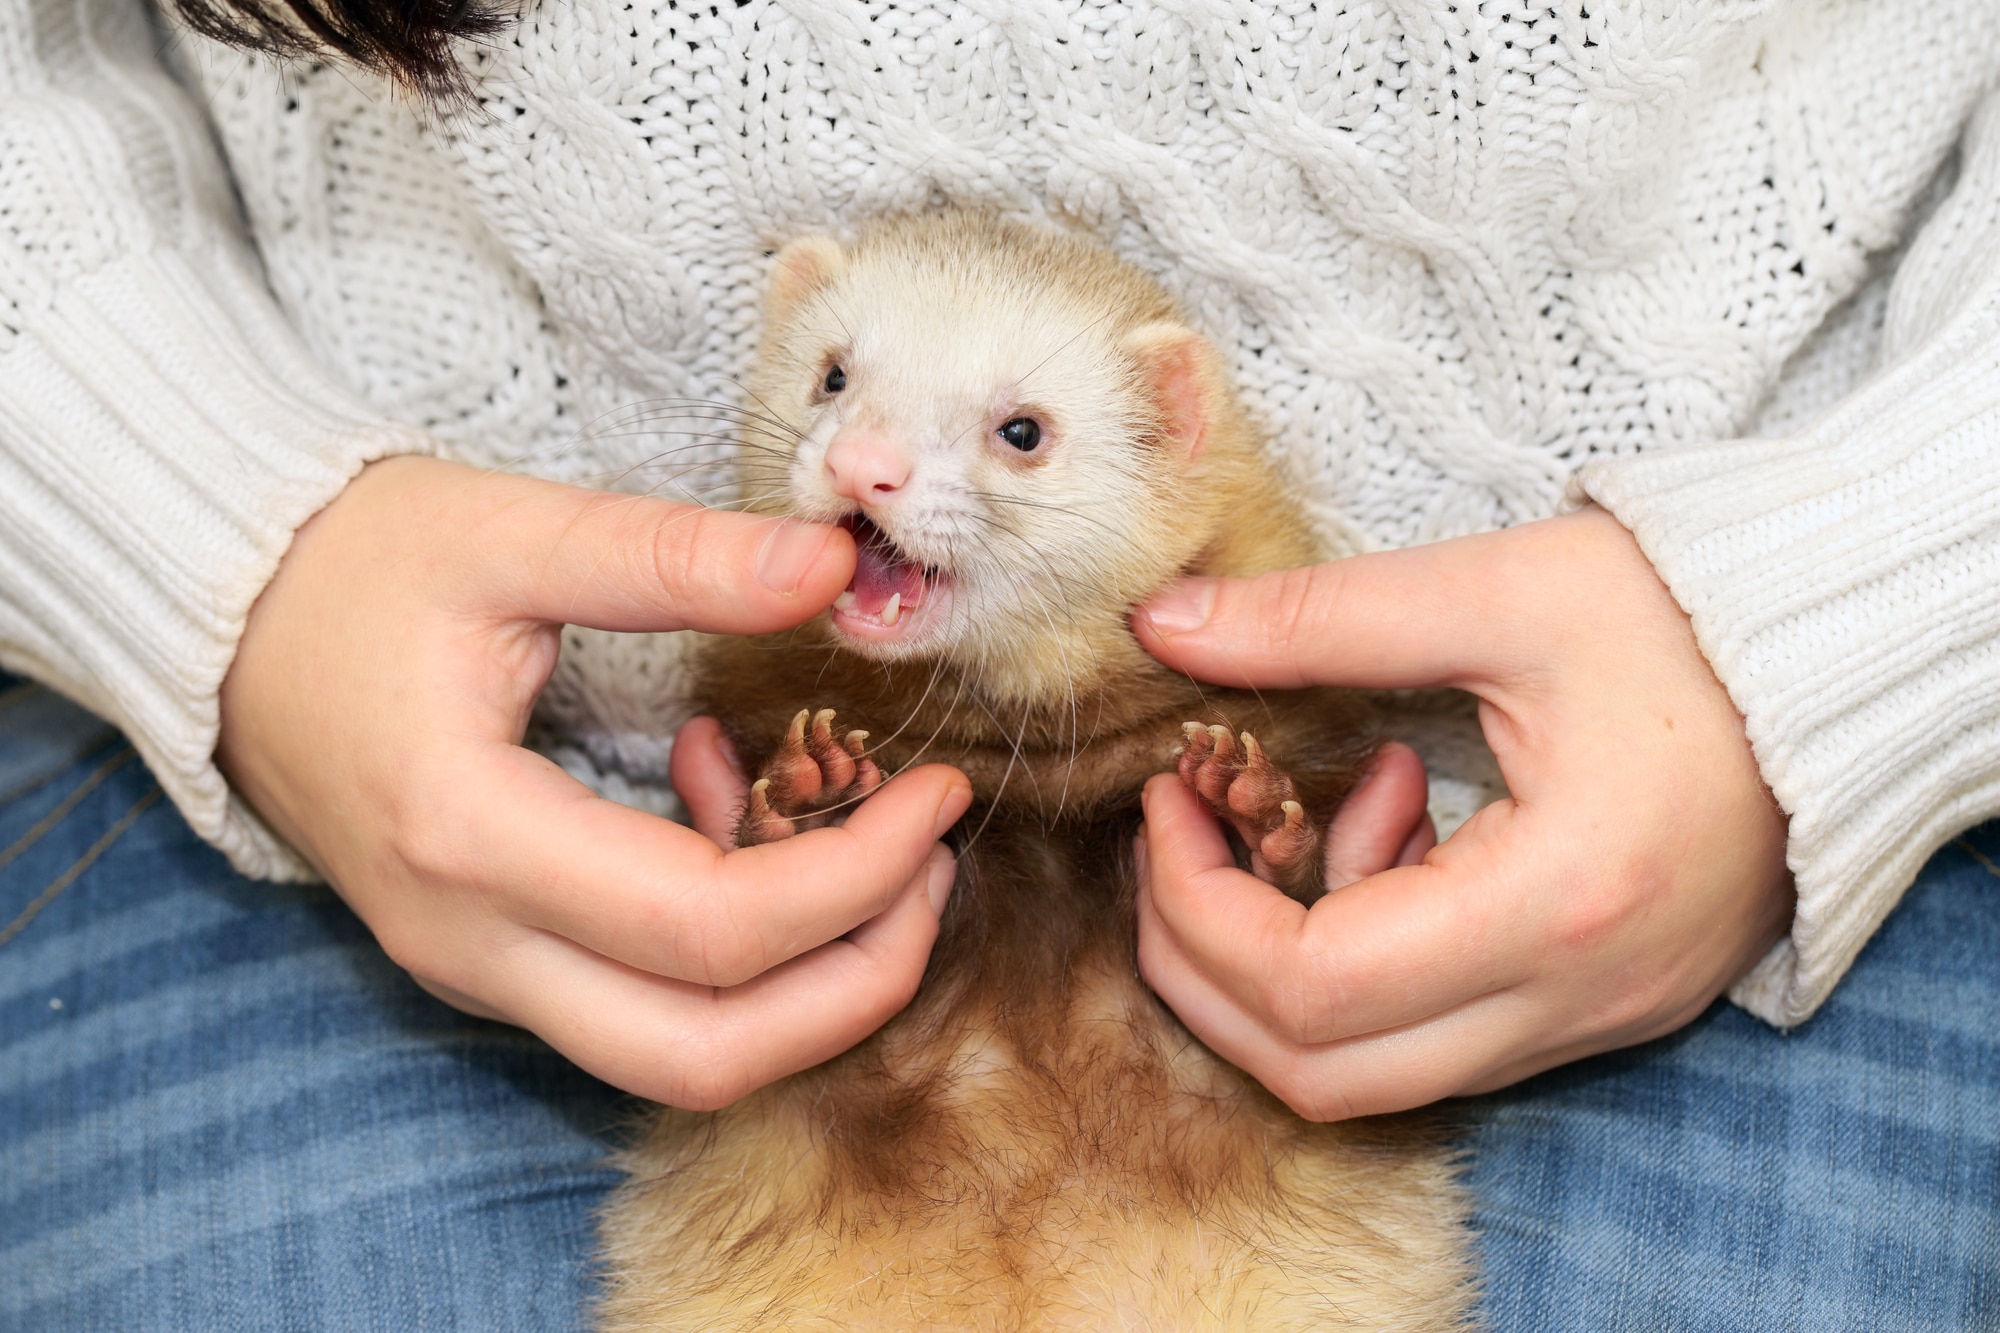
[162, 431]
[1844, 583]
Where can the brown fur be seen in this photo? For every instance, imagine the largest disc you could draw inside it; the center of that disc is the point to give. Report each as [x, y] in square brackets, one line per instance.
[1036, 1142]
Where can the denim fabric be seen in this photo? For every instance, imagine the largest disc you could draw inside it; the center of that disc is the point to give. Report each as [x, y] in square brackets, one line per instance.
[222, 1108]
[1843, 1176]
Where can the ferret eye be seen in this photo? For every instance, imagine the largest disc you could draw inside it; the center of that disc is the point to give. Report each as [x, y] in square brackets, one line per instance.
[836, 380]
[1024, 433]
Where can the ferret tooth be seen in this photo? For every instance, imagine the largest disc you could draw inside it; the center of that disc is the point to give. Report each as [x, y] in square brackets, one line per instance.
[844, 602]
[892, 611]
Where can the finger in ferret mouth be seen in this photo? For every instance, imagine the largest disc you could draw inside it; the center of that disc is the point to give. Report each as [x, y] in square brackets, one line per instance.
[891, 596]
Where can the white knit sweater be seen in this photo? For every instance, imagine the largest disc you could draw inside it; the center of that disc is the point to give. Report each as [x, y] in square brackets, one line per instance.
[1466, 254]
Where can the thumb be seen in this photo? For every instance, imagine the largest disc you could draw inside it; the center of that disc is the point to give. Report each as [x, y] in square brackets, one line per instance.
[1393, 620]
[633, 563]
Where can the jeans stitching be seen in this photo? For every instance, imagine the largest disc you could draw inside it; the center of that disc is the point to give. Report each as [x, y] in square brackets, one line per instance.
[81, 864]
[1979, 856]
[92, 745]
[68, 803]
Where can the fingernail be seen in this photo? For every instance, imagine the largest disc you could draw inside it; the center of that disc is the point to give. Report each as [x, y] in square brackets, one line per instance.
[1185, 606]
[949, 811]
[944, 871]
[789, 553]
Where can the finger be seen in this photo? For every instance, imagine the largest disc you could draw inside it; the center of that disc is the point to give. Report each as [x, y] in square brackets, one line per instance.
[701, 1047]
[1371, 1074]
[709, 780]
[660, 897]
[1382, 952]
[1420, 842]
[459, 1000]
[1378, 822]
[1390, 620]
[621, 562]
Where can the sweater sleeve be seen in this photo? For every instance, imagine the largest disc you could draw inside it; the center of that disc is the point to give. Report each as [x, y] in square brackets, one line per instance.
[163, 431]
[1844, 583]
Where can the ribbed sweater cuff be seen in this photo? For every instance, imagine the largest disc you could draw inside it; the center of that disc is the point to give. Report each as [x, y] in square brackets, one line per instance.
[163, 434]
[1845, 586]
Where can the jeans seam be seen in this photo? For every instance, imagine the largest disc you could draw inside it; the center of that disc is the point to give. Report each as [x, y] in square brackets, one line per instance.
[66, 805]
[1985, 861]
[94, 744]
[81, 864]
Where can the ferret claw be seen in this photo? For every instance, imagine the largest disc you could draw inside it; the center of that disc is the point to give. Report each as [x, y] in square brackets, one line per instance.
[809, 781]
[760, 823]
[1237, 780]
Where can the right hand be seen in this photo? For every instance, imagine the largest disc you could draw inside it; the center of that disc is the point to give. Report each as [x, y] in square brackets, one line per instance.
[373, 715]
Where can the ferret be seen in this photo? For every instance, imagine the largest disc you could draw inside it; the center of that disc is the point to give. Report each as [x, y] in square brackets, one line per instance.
[1026, 440]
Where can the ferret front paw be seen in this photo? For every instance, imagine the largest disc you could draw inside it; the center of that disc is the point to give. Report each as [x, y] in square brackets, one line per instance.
[808, 782]
[1258, 799]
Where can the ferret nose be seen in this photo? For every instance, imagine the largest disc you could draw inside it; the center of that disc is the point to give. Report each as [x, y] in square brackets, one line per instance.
[866, 466]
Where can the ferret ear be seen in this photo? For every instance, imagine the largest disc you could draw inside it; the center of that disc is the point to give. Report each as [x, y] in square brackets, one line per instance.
[1184, 375]
[803, 267]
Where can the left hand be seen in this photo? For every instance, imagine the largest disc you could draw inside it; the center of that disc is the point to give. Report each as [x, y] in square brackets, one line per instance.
[1636, 871]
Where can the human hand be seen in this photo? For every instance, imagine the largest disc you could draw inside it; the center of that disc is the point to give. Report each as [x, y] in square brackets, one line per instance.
[1636, 871]
[373, 715]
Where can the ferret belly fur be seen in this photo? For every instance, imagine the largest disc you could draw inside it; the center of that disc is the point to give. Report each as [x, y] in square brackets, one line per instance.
[1035, 1142]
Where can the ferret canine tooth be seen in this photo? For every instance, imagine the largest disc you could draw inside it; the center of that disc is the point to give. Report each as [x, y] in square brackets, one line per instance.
[892, 610]
[844, 602]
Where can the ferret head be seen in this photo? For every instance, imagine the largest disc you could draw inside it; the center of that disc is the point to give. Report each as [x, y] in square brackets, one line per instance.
[1014, 425]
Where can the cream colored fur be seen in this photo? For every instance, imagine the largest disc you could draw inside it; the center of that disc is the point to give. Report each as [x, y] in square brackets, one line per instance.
[1036, 1143]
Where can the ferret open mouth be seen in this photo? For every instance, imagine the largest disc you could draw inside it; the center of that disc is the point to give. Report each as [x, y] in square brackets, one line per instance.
[892, 597]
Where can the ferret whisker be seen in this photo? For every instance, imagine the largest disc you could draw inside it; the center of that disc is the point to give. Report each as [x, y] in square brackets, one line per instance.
[667, 409]
[1091, 327]
[1022, 502]
[916, 756]
[950, 710]
[1036, 599]
[937, 671]
[772, 417]
[1000, 789]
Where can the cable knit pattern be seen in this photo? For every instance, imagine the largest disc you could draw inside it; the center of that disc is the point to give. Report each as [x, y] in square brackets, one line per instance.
[162, 430]
[1456, 251]
[1845, 583]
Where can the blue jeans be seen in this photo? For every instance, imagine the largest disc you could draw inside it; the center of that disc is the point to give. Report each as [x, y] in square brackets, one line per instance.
[221, 1108]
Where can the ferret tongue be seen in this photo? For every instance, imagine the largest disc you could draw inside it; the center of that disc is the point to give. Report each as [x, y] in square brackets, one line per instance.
[879, 575]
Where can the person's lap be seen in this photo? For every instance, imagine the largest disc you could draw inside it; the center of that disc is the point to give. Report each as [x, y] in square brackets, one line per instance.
[1730, 1177]
[221, 1106]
